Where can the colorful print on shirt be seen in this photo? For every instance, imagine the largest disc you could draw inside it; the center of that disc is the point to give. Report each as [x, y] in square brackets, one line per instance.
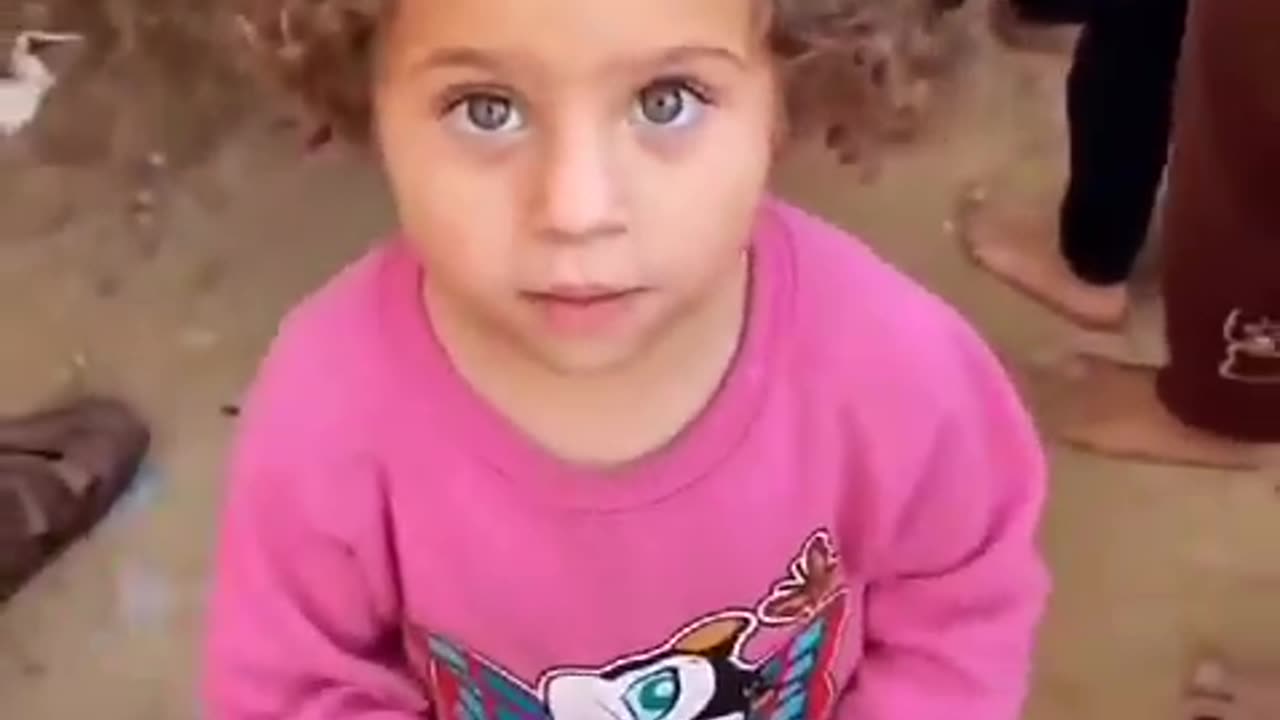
[700, 673]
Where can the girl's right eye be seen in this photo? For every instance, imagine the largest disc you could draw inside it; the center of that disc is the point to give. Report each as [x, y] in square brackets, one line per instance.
[485, 114]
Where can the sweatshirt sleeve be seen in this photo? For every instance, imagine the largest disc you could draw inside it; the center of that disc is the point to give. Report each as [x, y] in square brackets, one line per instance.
[303, 616]
[958, 591]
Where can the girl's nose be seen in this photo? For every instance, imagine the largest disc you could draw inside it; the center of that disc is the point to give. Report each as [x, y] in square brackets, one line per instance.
[579, 194]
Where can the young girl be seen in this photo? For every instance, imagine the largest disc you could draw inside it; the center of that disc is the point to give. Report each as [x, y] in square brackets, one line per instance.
[608, 432]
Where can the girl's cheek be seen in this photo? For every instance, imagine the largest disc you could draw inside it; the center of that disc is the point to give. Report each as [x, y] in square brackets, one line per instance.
[669, 145]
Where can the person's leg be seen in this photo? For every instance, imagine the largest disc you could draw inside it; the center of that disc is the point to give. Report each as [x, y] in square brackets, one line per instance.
[1222, 265]
[1218, 399]
[1119, 108]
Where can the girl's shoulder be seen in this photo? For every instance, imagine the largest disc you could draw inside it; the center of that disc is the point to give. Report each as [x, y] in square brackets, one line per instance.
[850, 304]
[320, 379]
[904, 370]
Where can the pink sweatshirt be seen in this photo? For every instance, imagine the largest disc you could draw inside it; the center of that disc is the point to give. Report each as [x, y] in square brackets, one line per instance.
[848, 531]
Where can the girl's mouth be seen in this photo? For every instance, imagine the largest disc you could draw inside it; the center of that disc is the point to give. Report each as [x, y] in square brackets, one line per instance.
[583, 309]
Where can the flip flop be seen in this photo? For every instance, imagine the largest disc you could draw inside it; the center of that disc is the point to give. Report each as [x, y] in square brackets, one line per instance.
[60, 472]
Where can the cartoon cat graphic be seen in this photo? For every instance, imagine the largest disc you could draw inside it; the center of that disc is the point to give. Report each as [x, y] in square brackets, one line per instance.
[1253, 349]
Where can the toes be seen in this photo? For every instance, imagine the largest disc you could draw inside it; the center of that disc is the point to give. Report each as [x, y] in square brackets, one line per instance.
[1209, 696]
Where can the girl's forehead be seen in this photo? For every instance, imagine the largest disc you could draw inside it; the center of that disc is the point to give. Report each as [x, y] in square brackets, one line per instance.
[583, 31]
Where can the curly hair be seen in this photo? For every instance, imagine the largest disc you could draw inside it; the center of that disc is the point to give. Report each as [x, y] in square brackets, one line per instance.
[846, 65]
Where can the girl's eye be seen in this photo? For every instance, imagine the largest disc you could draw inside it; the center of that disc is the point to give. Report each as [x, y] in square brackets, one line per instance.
[669, 105]
[486, 113]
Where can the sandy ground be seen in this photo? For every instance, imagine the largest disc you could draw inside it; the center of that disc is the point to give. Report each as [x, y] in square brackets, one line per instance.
[168, 299]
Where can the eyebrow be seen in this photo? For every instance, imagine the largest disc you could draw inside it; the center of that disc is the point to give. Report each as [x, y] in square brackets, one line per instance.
[457, 57]
[475, 58]
[684, 53]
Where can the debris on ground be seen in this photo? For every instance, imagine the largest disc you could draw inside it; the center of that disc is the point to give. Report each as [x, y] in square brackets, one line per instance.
[28, 79]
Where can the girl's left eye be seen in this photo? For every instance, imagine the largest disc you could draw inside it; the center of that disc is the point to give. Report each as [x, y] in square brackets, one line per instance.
[669, 104]
[486, 113]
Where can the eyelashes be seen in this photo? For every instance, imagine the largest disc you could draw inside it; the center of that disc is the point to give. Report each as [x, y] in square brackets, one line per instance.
[483, 111]
[671, 103]
[666, 103]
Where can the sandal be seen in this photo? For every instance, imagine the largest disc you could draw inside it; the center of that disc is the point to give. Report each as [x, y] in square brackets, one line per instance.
[60, 472]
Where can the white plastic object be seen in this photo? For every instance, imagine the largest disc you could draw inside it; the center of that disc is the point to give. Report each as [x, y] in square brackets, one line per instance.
[22, 94]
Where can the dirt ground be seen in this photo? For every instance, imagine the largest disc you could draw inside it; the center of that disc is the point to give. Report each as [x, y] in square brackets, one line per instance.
[153, 229]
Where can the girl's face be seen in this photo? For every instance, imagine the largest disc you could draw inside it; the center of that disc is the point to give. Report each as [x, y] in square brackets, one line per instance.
[577, 174]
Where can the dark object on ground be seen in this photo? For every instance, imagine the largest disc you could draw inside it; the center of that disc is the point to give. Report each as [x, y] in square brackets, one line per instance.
[60, 472]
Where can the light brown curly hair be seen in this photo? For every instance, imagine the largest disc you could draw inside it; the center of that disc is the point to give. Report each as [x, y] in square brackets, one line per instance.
[846, 65]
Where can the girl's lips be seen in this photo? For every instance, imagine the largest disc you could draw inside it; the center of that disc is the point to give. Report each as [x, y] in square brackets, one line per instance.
[581, 293]
[576, 299]
[585, 310]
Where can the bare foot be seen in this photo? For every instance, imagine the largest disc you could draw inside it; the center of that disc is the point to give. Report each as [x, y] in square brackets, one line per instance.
[1023, 251]
[1125, 349]
[1018, 34]
[1216, 693]
[1113, 410]
[1140, 344]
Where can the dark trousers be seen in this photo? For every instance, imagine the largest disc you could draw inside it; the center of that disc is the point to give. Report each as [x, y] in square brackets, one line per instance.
[1120, 109]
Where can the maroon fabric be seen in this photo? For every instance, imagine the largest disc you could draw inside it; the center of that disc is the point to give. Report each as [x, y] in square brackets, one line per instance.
[1222, 225]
